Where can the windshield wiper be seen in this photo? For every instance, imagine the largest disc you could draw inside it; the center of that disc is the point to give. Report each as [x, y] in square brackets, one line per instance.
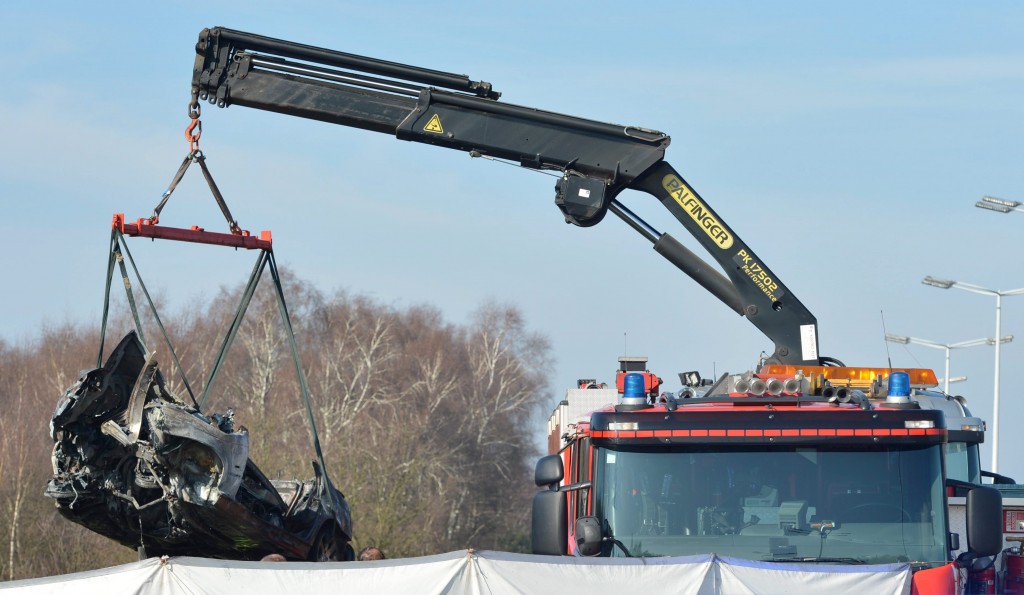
[816, 560]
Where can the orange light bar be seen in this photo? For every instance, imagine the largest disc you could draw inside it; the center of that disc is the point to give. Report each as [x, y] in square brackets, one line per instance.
[851, 376]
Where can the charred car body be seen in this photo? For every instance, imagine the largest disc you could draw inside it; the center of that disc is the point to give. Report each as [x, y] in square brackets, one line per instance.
[135, 463]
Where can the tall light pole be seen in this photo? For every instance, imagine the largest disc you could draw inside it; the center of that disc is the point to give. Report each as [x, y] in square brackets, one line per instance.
[947, 347]
[946, 284]
[999, 205]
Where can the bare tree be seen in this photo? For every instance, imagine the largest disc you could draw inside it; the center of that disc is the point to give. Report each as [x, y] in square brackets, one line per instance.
[28, 401]
[504, 388]
[355, 370]
[14, 440]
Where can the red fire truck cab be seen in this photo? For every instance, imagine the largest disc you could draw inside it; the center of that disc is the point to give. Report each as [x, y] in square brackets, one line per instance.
[810, 465]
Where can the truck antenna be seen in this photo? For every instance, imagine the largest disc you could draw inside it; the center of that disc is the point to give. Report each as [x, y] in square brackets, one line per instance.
[884, 332]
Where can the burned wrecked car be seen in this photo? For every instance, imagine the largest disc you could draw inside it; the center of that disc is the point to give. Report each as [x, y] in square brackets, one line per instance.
[135, 463]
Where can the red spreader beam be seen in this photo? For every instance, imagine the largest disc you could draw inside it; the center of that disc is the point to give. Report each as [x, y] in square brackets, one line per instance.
[197, 235]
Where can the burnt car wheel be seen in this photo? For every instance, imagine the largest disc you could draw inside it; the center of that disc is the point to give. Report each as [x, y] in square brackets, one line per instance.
[326, 547]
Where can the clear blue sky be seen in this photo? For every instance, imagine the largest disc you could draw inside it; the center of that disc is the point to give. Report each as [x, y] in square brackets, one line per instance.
[845, 142]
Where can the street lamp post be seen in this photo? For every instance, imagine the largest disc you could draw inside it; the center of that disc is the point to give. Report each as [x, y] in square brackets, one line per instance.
[999, 205]
[947, 284]
[947, 347]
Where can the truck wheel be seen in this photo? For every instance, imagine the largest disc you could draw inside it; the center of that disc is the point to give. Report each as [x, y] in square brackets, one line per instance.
[326, 547]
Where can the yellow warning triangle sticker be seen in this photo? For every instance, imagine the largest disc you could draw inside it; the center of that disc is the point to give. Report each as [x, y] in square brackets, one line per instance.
[434, 125]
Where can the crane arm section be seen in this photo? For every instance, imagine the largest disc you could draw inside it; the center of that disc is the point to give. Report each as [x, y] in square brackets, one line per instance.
[597, 160]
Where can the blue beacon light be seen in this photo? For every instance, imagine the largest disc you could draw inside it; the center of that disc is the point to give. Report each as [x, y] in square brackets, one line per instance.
[634, 393]
[899, 384]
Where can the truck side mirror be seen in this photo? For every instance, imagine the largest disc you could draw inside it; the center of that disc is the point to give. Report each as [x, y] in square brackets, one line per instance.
[549, 470]
[984, 521]
[588, 536]
[549, 530]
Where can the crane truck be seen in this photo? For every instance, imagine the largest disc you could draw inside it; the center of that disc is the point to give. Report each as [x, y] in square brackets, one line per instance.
[803, 460]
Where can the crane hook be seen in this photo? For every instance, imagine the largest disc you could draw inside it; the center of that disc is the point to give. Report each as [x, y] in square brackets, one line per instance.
[192, 134]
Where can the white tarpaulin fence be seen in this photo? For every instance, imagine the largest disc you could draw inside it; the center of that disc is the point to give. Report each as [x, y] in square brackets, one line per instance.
[476, 572]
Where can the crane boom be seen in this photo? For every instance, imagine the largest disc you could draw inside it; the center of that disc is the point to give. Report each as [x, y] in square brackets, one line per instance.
[597, 160]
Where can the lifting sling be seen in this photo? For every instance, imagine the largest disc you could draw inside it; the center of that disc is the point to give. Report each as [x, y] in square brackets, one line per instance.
[237, 238]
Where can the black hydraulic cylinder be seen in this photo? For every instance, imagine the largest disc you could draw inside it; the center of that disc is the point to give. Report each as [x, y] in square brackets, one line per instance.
[766, 301]
[694, 266]
[683, 258]
[210, 39]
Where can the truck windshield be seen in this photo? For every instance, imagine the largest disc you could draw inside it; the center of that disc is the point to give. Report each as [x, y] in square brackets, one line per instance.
[872, 505]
